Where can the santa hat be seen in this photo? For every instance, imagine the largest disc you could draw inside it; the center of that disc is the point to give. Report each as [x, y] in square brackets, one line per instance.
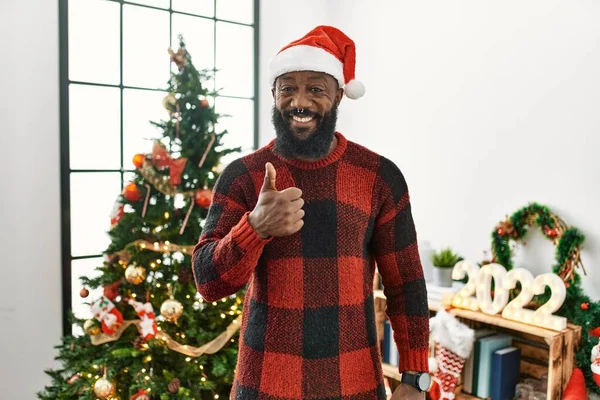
[324, 49]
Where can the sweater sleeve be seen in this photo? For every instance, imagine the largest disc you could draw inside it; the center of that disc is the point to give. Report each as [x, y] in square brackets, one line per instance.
[398, 262]
[228, 249]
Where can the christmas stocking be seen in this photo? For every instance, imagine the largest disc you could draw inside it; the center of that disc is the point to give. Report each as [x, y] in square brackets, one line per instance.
[104, 311]
[147, 325]
[453, 344]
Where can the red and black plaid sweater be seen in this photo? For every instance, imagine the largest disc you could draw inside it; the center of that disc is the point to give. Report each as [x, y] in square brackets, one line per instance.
[308, 328]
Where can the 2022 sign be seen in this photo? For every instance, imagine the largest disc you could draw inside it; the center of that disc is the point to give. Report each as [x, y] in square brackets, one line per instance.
[477, 293]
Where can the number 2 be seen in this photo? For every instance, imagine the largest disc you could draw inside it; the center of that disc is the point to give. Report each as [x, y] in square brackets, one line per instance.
[464, 298]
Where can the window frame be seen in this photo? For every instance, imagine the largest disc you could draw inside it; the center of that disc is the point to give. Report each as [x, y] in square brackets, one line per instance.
[65, 168]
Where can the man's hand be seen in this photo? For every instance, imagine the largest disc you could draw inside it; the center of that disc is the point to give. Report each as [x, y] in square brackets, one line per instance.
[276, 213]
[406, 392]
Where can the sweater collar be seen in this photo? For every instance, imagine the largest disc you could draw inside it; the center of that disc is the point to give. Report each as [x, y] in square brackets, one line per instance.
[329, 159]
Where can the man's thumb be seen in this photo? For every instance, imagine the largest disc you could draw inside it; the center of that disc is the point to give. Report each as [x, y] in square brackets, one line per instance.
[270, 174]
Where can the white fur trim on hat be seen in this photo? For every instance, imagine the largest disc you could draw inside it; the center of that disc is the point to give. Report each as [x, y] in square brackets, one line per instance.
[305, 58]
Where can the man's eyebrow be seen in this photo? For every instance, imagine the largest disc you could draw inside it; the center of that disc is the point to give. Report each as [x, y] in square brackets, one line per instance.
[317, 77]
[286, 78]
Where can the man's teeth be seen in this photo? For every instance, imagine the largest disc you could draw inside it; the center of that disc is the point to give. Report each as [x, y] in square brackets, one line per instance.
[302, 119]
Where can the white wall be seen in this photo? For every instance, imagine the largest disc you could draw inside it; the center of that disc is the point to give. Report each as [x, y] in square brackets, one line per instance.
[485, 106]
[280, 23]
[30, 288]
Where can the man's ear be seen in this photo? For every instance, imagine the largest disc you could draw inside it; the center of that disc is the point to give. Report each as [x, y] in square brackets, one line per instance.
[339, 96]
[273, 92]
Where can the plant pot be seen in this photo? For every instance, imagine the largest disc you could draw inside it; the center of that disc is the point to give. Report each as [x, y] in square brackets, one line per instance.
[442, 277]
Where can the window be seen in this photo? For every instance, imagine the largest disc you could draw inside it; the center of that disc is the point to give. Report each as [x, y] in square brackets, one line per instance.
[114, 72]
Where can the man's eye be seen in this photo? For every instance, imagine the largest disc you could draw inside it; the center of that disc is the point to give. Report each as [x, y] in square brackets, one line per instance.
[316, 89]
[286, 89]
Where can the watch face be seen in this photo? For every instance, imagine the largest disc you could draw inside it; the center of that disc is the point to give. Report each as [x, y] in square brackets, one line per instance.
[424, 381]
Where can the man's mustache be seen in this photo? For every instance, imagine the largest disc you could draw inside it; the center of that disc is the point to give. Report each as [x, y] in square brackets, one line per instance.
[300, 112]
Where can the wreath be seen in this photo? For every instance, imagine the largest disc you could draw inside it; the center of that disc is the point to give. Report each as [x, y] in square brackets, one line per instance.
[577, 308]
[568, 240]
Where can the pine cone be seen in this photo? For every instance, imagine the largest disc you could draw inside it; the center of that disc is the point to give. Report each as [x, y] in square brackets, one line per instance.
[174, 386]
[185, 275]
[138, 342]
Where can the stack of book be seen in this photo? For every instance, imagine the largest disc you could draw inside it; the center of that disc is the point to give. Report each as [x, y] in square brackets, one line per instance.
[493, 368]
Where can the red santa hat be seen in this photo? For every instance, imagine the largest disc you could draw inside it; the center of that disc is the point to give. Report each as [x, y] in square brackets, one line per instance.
[324, 49]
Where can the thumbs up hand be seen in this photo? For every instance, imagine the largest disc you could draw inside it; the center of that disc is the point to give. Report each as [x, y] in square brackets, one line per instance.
[277, 213]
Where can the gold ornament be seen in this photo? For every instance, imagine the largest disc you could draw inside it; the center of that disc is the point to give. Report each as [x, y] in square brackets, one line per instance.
[135, 274]
[91, 327]
[104, 388]
[169, 102]
[171, 309]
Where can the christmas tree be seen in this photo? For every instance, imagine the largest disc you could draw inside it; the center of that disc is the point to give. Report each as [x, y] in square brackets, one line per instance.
[152, 336]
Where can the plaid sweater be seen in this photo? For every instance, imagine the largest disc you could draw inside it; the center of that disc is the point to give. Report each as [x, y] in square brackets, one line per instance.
[308, 327]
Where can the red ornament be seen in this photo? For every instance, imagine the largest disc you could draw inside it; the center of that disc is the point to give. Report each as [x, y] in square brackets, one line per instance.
[132, 193]
[204, 103]
[111, 291]
[585, 306]
[138, 160]
[84, 293]
[501, 231]
[204, 198]
[142, 394]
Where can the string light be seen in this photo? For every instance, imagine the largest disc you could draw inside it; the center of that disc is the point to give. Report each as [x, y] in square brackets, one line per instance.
[143, 245]
[183, 335]
[188, 359]
[223, 315]
[203, 379]
[167, 215]
[214, 303]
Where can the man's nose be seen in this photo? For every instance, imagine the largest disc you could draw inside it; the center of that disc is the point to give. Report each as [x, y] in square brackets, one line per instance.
[301, 100]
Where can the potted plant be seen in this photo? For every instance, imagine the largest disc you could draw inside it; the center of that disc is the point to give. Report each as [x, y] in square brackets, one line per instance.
[443, 262]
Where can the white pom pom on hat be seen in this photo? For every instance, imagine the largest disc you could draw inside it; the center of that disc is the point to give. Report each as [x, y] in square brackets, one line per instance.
[323, 49]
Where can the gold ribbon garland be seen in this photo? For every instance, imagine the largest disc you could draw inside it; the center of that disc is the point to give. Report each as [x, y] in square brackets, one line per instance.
[158, 247]
[208, 348]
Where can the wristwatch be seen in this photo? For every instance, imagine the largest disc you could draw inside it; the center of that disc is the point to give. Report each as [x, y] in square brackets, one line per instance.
[421, 380]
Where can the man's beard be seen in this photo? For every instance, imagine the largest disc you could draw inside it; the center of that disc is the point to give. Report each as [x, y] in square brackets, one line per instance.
[315, 146]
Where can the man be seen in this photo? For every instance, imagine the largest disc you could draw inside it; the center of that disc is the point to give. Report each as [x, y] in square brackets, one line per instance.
[302, 221]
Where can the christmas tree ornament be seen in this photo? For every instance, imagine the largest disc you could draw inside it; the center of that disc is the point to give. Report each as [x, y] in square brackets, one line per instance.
[453, 344]
[111, 291]
[213, 138]
[135, 274]
[174, 386]
[147, 326]
[203, 198]
[162, 159]
[585, 306]
[73, 379]
[84, 293]
[595, 366]
[169, 102]
[117, 212]
[171, 309]
[179, 58]
[204, 103]
[139, 343]
[142, 394]
[185, 274]
[91, 327]
[138, 160]
[104, 311]
[103, 388]
[131, 193]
